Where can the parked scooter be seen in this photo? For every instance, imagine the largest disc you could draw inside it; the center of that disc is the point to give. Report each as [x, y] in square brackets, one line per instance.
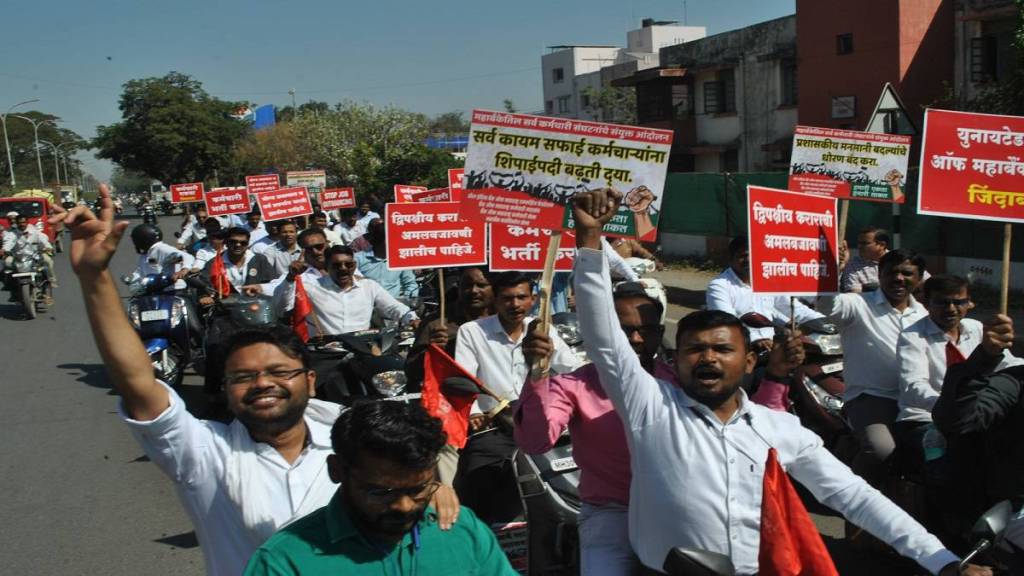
[362, 364]
[27, 280]
[161, 319]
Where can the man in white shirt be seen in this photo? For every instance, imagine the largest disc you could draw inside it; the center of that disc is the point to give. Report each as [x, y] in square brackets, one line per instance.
[286, 250]
[870, 324]
[730, 292]
[320, 221]
[24, 240]
[261, 245]
[491, 349]
[347, 227]
[156, 257]
[365, 215]
[238, 483]
[926, 349]
[698, 452]
[253, 223]
[341, 301]
[193, 230]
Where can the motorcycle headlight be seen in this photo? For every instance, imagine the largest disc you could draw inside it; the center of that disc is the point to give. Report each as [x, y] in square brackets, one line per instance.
[390, 383]
[829, 344]
[134, 315]
[177, 312]
[569, 333]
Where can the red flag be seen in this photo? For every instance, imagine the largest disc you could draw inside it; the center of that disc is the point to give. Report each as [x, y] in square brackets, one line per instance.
[790, 543]
[453, 412]
[303, 307]
[219, 276]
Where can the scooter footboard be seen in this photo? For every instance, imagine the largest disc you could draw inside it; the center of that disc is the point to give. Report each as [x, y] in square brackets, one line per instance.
[551, 514]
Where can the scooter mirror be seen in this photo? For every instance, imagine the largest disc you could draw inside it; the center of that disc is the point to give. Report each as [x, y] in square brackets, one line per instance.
[819, 326]
[755, 320]
[993, 522]
[459, 386]
[688, 562]
[177, 234]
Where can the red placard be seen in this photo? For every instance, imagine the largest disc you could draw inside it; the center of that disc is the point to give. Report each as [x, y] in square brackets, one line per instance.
[262, 183]
[522, 248]
[433, 195]
[431, 235]
[455, 176]
[403, 192]
[285, 203]
[793, 240]
[337, 198]
[226, 201]
[182, 193]
[972, 166]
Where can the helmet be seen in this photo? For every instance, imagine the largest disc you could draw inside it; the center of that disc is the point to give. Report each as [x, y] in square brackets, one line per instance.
[144, 236]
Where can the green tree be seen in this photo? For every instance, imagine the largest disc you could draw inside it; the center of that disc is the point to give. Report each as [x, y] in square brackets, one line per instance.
[277, 149]
[449, 124]
[612, 104]
[1005, 96]
[509, 106]
[23, 149]
[419, 166]
[171, 130]
[128, 181]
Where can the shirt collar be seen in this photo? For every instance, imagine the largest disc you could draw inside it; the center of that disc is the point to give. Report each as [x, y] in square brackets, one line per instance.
[340, 525]
[744, 410]
[877, 297]
[733, 277]
[492, 325]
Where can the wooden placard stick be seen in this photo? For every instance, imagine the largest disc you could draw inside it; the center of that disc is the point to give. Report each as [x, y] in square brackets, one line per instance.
[1004, 286]
[844, 213]
[792, 315]
[440, 287]
[540, 369]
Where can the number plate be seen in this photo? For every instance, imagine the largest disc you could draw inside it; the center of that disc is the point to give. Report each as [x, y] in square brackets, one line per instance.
[832, 368]
[152, 315]
[563, 464]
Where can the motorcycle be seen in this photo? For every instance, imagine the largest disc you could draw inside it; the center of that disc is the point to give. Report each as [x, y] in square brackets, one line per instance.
[27, 279]
[161, 319]
[641, 267]
[167, 207]
[148, 215]
[362, 364]
[568, 327]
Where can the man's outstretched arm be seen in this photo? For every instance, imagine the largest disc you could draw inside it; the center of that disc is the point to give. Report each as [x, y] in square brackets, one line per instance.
[93, 243]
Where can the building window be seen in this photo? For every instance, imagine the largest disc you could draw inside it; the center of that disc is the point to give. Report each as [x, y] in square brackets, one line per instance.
[712, 98]
[557, 75]
[844, 44]
[584, 100]
[844, 107]
[789, 83]
[682, 104]
[984, 59]
[720, 94]
[564, 104]
[731, 161]
[549, 106]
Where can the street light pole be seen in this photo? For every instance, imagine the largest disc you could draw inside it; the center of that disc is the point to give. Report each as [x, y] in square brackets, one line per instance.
[35, 129]
[7, 143]
[56, 165]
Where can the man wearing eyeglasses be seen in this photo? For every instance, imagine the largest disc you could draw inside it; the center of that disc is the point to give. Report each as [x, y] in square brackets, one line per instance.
[246, 271]
[379, 521]
[926, 349]
[238, 483]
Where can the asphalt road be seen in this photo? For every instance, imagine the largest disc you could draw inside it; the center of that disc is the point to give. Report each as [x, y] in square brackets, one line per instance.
[79, 495]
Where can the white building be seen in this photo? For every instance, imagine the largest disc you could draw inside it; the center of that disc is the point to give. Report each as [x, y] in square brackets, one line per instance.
[569, 70]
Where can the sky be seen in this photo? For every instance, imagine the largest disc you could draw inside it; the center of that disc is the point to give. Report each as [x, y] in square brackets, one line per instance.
[429, 56]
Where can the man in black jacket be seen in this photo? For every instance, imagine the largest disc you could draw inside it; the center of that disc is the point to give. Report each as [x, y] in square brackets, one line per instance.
[981, 414]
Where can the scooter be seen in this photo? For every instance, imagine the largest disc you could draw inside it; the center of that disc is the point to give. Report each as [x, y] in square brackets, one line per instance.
[361, 364]
[567, 325]
[28, 280]
[161, 319]
[148, 215]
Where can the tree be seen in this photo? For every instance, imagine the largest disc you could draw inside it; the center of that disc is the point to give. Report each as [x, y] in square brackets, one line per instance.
[127, 181]
[287, 113]
[277, 149]
[449, 124]
[419, 166]
[509, 106]
[23, 149]
[1003, 97]
[612, 104]
[171, 130]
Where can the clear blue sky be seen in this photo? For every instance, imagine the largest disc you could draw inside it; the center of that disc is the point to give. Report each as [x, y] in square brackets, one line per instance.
[429, 56]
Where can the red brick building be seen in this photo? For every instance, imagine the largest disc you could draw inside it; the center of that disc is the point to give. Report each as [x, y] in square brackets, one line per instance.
[847, 51]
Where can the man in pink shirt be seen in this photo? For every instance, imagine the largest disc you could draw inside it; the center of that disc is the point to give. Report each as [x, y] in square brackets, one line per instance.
[577, 401]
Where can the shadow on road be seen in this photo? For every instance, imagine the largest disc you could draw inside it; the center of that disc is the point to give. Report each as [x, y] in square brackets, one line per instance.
[184, 540]
[94, 375]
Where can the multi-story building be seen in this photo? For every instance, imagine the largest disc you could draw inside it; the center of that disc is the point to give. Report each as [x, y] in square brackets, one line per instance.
[571, 72]
[983, 48]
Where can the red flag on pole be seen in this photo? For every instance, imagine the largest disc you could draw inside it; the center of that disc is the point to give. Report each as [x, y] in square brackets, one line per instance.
[303, 308]
[453, 412]
[219, 276]
[790, 543]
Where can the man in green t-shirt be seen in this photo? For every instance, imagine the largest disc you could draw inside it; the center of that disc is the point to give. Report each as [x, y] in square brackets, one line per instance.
[385, 457]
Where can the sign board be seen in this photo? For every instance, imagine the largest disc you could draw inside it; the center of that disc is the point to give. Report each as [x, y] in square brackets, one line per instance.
[455, 176]
[182, 193]
[313, 180]
[793, 242]
[285, 203]
[849, 164]
[262, 183]
[404, 192]
[432, 236]
[890, 115]
[523, 170]
[972, 166]
[433, 195]
[227, 201]
[337, 198]
[523, 248]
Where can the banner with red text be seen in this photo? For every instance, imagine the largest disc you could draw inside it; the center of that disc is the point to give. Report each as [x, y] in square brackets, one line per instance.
[259, 183]
[793, 242]
[227, 201]
[337, 198]
[404, 192]
[455, 176]
[285, 203]
[972, 166]
[433, 195]
[431, 235]
[849, 164]
[523, 248]
[523, 170]
[182, 193]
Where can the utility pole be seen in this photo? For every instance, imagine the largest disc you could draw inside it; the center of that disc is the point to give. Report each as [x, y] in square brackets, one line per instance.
[35, 130]
[7, 143]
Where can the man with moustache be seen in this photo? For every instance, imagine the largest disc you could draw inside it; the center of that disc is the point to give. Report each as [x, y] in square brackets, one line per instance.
[698, 448]
[240, 482]
[379, 522]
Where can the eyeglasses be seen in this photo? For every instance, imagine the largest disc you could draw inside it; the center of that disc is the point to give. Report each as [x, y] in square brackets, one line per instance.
[946, 302]
[418, 494]
[278, 376]
[315, 247]
[642, 330]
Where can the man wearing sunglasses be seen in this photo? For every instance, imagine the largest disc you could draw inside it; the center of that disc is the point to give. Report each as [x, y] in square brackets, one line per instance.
[926, 349]
[246, 271]
[379, 521]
